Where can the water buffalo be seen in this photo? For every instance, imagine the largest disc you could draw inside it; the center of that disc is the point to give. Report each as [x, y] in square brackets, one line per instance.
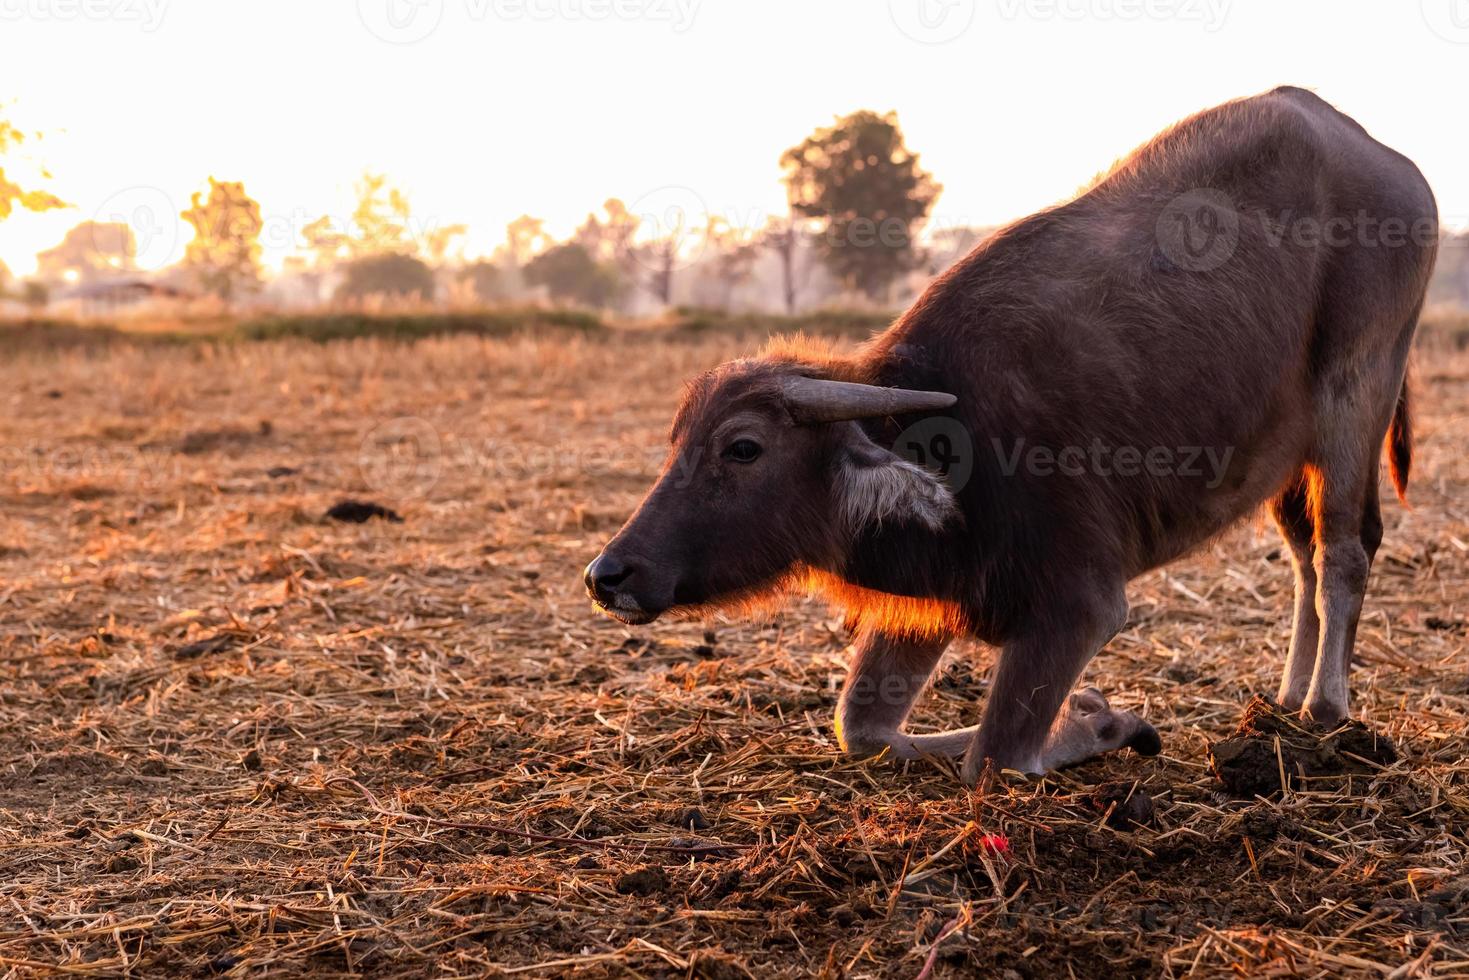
[1243, 289]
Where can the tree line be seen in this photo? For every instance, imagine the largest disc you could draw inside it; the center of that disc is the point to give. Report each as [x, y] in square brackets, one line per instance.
[857, 201]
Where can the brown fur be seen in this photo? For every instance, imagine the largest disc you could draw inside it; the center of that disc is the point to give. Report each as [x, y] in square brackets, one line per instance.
[1400, 444]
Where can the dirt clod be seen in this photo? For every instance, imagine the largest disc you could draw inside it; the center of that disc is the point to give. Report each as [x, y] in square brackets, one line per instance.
[724, 886]
[644, 881]
[693, 819]
[210, 440]
[361, 511]
[121, 863]
[1270, 743]
[210, 644]
[1130, 805]
[708, 964]
[223, 964]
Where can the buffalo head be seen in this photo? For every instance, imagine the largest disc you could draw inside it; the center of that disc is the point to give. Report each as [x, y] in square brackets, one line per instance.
[769, 474]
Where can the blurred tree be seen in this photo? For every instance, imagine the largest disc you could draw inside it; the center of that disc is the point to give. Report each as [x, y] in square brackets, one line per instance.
[525, 237]
[733, 256]
[380, 219]
[224, 254]
[661, 255]
[867, 191]
[324, 242]
[388, 274]
[571, 275]
[610, 237]
[668, 234]
[34, 294]
[88, 251]
[486, 280]
[783, 237]
[381, 224]
[437, 242]
[11, 193]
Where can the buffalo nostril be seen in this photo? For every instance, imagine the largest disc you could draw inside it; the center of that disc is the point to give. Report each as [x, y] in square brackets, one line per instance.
[604, 574]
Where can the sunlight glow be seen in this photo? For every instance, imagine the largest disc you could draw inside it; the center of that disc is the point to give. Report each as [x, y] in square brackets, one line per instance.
[499, 110]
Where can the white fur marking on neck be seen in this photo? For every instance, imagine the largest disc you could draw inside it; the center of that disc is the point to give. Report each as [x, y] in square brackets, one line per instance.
[894, 489]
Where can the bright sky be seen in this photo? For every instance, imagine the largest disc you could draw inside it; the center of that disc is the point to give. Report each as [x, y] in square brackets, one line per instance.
[487, 109]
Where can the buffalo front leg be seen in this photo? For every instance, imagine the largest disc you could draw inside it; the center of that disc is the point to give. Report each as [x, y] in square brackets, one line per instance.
[885, 678]
[1033, 723]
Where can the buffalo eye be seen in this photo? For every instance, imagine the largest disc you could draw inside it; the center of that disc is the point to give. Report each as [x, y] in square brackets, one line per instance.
[743, 451]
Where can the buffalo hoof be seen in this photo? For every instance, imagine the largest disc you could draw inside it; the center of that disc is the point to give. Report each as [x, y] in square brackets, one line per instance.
[1145, 741]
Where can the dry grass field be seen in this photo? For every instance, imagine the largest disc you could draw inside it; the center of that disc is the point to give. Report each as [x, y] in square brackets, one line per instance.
[238, 738]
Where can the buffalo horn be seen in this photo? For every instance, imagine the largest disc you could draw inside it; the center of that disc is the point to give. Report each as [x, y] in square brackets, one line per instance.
[812, 400]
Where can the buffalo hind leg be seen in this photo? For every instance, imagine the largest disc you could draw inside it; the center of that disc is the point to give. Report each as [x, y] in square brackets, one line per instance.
[1025, 727]
[1292, 513]
[1349, 529]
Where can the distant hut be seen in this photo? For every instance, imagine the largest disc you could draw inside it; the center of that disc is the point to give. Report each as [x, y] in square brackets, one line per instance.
[111, 297]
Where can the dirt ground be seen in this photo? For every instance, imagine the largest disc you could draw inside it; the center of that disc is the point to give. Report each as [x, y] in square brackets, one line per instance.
[237, 738]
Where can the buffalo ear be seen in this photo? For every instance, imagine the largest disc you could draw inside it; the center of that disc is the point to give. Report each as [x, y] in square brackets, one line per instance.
[875, 486]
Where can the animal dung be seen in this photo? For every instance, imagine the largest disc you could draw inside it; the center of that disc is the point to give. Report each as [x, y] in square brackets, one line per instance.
[1273, 750]
[361, 511]
[1126, 805]
[643, 881]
